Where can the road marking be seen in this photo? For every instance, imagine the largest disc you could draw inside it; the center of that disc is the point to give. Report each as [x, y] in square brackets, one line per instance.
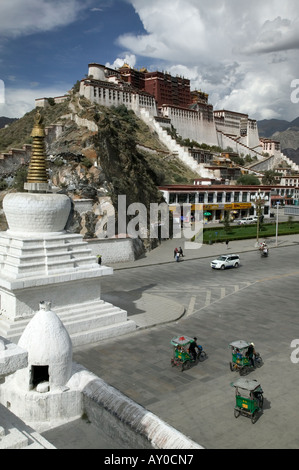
[208, 298]
[191, 306]
[236, 288]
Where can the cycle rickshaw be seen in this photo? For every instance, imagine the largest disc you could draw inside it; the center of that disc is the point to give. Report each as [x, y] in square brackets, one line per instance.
[249, 398]
[182, 357]
[240, 361]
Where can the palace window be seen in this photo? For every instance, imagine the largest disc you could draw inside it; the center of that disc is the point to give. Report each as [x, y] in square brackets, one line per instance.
[182, 198]
[172, 198]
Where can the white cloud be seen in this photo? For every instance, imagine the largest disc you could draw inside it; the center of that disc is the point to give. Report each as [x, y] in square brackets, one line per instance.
[21, 101]
[19, 17]
[242, 53]
[129, 59]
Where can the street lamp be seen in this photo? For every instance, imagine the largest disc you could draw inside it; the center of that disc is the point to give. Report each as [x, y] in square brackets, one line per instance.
[259, 203]
[277, 206]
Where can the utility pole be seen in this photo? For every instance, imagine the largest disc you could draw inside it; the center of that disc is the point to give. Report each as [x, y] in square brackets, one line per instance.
[259, 203]
[277, 206]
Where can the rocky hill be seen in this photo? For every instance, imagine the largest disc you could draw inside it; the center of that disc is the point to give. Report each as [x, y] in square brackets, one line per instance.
[268, 127]
[6, 121]
[99, 153]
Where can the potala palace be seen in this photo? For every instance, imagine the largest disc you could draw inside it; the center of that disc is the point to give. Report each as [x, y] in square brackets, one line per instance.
[164, 102]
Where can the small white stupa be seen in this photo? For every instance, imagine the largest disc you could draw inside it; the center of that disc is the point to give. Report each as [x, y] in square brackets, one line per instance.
[40, 259]
[39, 394]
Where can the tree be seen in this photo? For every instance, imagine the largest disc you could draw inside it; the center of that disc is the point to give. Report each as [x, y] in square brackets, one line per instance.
[251, 180]
[51, 101]
[227, 221]
[269, 177]
[20, 178]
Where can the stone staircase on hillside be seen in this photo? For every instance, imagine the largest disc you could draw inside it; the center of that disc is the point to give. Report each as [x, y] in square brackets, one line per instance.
[290, 162]
[176, 149]
[271, 160]
[269, 163]
[239, 147]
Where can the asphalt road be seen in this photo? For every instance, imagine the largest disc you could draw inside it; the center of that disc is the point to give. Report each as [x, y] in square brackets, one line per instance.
[257, 302]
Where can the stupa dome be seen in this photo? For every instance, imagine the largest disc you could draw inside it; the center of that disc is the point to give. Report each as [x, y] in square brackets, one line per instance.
[36, 213]
[49, 348]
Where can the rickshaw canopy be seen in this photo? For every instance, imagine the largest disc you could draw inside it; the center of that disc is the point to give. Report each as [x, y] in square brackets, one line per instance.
[246, 384]
[181, 340]
[240, 344]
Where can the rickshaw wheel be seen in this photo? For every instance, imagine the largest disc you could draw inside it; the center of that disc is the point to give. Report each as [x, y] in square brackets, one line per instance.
[258, 361]
[202, 356]
[254, 417]
[231, 366]
[236, 413]
[261, 402]
[186, 365]
[244, 370]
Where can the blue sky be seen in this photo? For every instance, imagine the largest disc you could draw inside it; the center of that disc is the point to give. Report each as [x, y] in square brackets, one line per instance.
[244, 54]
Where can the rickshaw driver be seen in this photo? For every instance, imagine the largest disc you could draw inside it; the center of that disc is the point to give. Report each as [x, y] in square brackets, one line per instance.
[192, 348]
[250, 353]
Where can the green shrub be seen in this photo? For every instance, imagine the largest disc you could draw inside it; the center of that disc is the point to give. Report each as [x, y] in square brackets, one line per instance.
[3, 185]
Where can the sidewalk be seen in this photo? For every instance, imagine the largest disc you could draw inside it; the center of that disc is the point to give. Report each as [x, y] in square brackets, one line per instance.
[165, 252]
[159, 310]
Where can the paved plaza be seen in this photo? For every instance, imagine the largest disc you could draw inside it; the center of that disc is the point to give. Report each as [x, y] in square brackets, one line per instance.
[256, 302]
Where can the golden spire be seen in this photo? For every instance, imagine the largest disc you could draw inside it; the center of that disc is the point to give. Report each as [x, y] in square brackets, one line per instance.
[37, 178]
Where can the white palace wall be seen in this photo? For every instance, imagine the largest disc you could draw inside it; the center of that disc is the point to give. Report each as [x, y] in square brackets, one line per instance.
[107, 94]
[253, 140]
[190, 124]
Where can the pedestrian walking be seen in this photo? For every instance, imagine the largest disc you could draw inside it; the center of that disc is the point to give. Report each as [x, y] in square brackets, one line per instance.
[227, 242]
[175, 253]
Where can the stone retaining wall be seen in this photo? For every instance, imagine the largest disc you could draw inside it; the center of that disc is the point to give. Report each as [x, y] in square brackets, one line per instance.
[116, 250]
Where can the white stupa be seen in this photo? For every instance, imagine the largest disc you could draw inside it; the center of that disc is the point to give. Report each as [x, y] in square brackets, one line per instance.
[39, 259]
[39, 393]
[49, 349]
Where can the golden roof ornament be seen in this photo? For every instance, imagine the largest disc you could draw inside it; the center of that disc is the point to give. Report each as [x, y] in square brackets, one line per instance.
[38, 128]
[37, 178]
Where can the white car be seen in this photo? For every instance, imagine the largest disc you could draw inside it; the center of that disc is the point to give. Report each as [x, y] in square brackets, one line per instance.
[226, 261]
[248, 220]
